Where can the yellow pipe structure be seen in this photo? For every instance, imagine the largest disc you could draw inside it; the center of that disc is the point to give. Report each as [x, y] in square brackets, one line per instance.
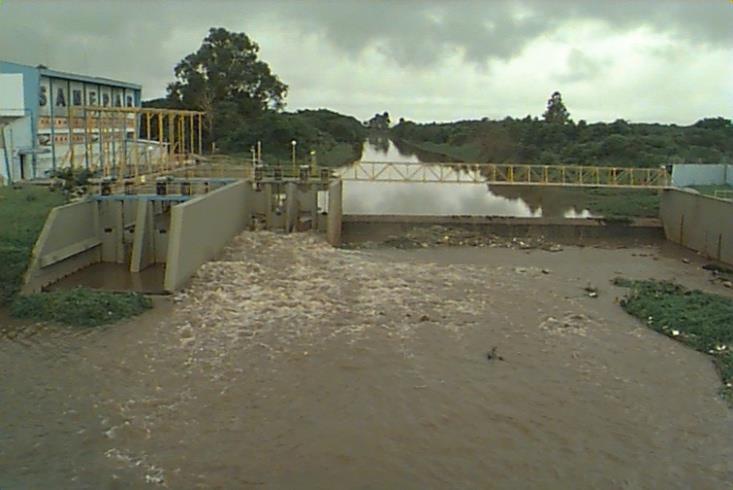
[191, 133]
[510, 174]
[160, 139]
[70, 127]
[201, 140]
[176, 144]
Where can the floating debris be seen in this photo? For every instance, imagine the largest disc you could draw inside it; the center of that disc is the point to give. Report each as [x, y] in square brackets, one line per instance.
[492, 355]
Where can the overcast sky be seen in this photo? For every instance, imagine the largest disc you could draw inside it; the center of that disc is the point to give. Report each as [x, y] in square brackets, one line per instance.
[655, 60]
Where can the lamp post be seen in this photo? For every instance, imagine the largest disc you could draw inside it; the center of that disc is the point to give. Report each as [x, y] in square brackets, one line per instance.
[293, 144]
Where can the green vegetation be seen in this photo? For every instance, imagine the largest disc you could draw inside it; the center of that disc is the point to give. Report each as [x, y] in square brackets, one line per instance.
[559, 140]
[80, 307]
[23, 212]
[244, 102]
[621, 203]
[701, 320]
[710, 190]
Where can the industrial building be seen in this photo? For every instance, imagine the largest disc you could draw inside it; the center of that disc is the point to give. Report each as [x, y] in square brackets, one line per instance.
[46, 124]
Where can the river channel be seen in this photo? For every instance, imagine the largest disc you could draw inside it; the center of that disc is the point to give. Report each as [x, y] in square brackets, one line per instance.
[289, 364]
[447, 198]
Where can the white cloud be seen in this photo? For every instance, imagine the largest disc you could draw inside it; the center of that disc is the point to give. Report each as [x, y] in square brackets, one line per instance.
[435, 62]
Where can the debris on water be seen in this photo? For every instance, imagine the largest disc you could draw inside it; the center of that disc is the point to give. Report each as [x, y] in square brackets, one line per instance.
[715, 268]
[455, 236]
[685, 261]
[553, 248]
[492, 355]
[573, 323]
[591, 290]
[424, 318]
[728, 284]
[545, 271]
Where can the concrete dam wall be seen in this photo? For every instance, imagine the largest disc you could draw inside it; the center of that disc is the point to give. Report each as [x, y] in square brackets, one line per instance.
[181, 232]
[699, 222]
[201, 228]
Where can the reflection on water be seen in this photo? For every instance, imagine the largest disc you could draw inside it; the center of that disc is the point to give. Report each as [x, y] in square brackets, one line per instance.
[446, 198]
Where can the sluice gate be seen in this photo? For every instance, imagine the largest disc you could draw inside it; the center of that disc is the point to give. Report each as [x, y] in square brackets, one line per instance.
[176, 223]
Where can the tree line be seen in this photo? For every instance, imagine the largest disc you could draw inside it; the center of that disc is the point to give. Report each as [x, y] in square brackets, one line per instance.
[245, 101]
[557, 139]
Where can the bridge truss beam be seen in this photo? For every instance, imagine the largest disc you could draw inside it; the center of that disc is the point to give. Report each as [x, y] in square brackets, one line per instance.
[507, 174]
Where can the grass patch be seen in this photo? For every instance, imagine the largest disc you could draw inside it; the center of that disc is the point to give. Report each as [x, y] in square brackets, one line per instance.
[80, 307]
[700, 320]
[709, 190]
[620, 203]
[23, 212]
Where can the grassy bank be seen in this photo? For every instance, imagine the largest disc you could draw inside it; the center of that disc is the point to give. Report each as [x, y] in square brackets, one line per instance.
[700, 320]
[23, 212]
[620, 203]
[710, 190]
[80, 307]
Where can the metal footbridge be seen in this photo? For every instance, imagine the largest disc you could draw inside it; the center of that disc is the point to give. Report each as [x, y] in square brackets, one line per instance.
[507, 174]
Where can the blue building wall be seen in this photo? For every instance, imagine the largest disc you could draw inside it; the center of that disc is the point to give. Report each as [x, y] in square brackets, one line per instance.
[36, 79]
[31, 87]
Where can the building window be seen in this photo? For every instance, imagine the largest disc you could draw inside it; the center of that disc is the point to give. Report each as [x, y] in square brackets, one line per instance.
[129, 101]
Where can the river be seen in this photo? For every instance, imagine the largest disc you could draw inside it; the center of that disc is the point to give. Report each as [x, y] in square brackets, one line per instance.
[446, 198]
[290, 364]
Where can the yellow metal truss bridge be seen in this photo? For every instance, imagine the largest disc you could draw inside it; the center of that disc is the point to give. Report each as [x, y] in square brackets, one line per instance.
[507, 174]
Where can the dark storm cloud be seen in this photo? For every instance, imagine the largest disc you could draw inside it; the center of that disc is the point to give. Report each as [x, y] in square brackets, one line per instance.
[413, 33]
[433, 59]
[419, 33]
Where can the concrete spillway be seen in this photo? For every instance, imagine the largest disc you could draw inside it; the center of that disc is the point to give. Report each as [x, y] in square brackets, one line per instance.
[179, 232]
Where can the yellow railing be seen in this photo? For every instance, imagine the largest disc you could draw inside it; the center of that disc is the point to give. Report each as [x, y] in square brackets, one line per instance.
[507, 174]
[132, 141]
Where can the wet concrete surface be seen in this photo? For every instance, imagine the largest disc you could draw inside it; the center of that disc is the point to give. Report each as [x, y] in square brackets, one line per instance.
[288, 364]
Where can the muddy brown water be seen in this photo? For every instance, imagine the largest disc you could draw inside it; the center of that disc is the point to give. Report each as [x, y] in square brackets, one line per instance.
[288, 364]
[115, 277]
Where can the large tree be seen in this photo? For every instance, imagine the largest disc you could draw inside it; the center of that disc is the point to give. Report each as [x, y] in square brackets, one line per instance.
[556, 112]
[226, 78]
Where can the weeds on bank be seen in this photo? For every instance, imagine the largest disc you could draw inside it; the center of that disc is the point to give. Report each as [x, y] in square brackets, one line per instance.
[23, 212]
[700, 320]
[80, 307]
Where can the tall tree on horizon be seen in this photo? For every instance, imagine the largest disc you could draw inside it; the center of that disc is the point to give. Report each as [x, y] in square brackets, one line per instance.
[556, 112]
[226, 78]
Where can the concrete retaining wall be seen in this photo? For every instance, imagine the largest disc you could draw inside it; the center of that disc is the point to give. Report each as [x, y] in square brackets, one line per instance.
[335, 213]
[687, 174]
[701, 223]
[201, 227]
[68, 242]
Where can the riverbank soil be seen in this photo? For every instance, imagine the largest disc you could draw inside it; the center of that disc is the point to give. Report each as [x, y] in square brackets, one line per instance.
[290, 364]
